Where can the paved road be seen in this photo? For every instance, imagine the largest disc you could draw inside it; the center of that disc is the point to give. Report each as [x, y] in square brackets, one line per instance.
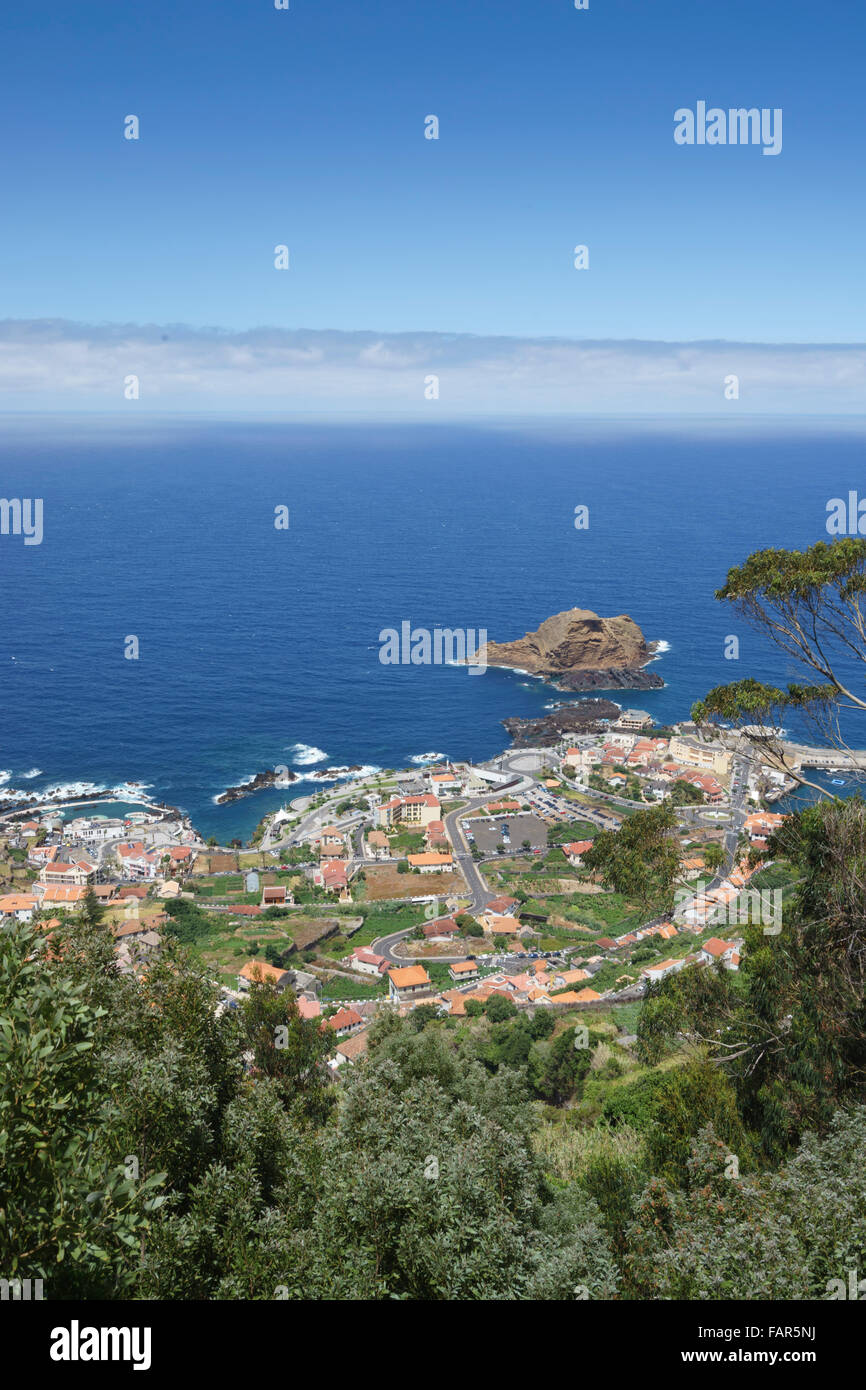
[157, 841]
[481, 894]
[314, 820]
[386, 946]
[479, 890]
[739, 810]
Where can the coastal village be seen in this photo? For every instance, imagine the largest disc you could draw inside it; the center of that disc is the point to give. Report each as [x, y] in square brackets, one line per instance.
[445, 887]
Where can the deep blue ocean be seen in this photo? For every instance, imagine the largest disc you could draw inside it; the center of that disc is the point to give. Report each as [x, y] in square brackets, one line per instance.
[260, 646]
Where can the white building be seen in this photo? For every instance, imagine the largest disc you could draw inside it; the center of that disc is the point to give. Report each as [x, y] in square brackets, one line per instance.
[663, 968]
[366, 961]
[717, 950]
[626, 741]
[635, 719]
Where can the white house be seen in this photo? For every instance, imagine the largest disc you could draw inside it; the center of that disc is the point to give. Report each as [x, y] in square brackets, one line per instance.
[663, 968]
[445, 782]
[136, 862]
[366, 961]
[575, 850]
[21, 906]
[717, 950]
[621, 740]
[430, 863]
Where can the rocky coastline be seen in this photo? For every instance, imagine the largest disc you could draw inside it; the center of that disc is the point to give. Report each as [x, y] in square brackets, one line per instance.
[37, 804]
[587, 717]
[609, 678]
[273, 777]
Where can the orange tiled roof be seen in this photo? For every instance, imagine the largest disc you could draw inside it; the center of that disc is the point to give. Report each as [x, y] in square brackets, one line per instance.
[63, 893]
[261, 970]
[17, 902]
[405, 977]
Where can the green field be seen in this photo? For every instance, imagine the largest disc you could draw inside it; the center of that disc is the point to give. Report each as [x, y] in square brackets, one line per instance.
[337, 987]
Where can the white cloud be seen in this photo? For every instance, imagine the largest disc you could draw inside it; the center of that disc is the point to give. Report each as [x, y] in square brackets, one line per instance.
[57, 365]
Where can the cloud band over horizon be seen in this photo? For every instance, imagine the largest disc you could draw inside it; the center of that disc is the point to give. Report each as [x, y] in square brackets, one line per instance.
[55, 364]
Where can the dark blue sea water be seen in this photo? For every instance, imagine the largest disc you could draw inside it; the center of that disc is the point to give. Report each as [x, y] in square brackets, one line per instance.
[257, 642]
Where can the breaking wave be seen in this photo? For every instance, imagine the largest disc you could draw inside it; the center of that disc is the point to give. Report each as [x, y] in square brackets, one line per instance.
[306, 754]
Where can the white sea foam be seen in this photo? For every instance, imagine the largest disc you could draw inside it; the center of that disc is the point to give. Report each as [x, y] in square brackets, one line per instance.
[34, 772]
[342, 774]
[519, 671]
[661, 648]
[64, 791]
[241, 782]
[420, 758]
[73, 791]
[306, 754]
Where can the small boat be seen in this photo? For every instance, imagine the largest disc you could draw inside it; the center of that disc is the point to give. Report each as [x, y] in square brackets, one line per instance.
[837, 781]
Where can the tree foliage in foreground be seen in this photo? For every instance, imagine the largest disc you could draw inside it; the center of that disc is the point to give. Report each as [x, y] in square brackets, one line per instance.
[66, 1216]
[153, 1149]
[641, 860]
[779, 1235]
[809, 605]
[791, 1032]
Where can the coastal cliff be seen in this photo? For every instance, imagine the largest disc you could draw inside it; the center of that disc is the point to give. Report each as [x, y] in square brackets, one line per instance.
[578, 650]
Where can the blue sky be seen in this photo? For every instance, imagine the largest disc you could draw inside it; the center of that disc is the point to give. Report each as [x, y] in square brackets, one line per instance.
[306, 127]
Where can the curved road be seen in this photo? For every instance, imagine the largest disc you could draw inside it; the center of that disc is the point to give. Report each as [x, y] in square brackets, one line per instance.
[479, 890]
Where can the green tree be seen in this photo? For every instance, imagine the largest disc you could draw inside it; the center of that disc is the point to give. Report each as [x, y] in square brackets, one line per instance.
[92, 910]
[809, 605]
[290, 1050]
[687, 1098]
[68, 1215]
[498, 1008]
[557, 1067]
[792, 1032]
[640, 860]
[769, 1235]
[686, 794]
[422, 1015]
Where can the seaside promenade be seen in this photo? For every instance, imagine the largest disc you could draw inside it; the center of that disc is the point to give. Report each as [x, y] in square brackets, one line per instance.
[801, 755]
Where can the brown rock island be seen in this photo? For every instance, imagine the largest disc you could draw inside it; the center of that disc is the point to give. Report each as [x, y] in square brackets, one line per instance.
[578, 650]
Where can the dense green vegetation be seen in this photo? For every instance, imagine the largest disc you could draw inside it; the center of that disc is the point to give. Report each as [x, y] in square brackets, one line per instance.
[144, 1158]
[500, 1156]
[155, 1147]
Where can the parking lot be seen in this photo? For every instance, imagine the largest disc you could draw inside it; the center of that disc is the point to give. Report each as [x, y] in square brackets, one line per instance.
[489, 837]
[557, 808]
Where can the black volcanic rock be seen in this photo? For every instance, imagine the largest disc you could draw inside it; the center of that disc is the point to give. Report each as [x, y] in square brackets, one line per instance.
[584, 718]
[271, 778]
[611, 678]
